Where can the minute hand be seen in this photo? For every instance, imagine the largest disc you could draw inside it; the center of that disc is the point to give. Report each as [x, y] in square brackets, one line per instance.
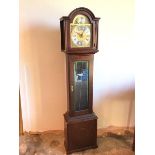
[83, 32]
[80, 34]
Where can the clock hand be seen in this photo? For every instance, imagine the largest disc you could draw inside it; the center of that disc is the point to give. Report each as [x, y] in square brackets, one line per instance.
[80, 34]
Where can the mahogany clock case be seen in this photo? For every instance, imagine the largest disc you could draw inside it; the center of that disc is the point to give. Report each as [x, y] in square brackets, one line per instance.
[80, 123]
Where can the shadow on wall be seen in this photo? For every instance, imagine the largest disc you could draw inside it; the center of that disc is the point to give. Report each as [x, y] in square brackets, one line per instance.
[44, 64]
[116, 109]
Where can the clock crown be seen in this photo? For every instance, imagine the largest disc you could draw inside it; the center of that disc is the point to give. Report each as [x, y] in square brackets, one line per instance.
[74, 40]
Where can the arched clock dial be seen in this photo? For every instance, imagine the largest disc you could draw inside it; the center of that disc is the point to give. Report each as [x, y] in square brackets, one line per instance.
[80, 32]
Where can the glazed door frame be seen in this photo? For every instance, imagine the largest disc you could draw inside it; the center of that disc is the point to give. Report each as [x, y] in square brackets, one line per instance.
[71, 61]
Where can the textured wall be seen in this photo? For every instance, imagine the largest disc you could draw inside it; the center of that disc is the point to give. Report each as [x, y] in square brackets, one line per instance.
[42, 64]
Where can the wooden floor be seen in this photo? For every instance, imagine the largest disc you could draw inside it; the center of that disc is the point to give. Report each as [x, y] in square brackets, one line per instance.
[111, 141]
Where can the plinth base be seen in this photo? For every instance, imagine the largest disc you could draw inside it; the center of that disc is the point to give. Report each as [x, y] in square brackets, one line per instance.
[80, 132]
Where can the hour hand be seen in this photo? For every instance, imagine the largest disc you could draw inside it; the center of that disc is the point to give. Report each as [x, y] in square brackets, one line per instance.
[80, 34]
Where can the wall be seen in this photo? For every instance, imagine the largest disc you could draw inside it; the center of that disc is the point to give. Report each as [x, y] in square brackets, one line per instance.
[42, 64]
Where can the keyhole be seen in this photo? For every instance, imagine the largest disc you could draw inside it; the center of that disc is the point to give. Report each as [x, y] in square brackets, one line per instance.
[72, 88]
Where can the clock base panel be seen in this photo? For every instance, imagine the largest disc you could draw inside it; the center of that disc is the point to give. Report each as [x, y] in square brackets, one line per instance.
[80, 132]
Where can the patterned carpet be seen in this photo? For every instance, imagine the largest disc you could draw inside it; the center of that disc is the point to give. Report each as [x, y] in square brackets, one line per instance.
[111, 141]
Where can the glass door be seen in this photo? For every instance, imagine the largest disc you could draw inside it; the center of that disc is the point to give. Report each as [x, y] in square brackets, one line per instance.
[80, 85]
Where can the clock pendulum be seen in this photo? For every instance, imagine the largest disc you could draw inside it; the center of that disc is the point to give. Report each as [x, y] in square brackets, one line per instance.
[79, 42]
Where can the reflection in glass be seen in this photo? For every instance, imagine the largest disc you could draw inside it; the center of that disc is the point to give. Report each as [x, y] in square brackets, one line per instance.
[80, 86]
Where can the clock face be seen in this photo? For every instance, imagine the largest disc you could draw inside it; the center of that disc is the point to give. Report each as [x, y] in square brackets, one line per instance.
[80, 36]
[80, 32]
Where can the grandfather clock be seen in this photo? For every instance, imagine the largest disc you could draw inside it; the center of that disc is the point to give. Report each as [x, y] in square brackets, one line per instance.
[79, 41]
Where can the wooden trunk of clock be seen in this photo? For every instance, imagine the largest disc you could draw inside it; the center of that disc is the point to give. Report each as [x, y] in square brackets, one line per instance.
[79, 40]
[80, 121]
